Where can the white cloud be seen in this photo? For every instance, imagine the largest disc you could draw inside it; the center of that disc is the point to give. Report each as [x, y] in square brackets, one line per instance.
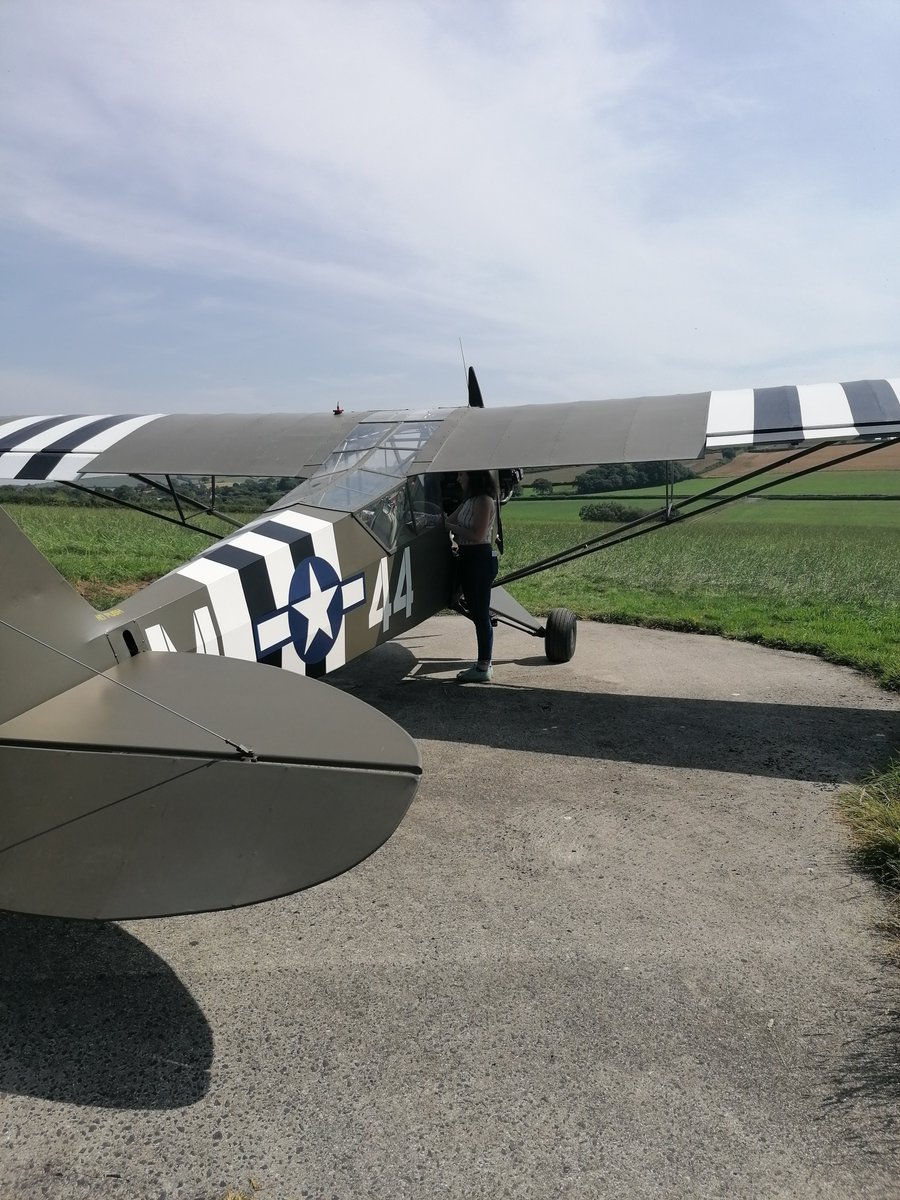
[598, 198]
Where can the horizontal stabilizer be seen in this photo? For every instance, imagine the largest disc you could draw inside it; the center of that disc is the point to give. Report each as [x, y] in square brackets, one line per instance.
[202, 783]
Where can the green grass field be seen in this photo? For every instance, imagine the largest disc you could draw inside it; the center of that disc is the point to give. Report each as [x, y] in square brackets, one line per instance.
[823, 578]
[822, 483]
[768, 573]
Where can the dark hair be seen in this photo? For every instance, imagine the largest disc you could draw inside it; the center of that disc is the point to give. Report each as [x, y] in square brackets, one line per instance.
[481, 483]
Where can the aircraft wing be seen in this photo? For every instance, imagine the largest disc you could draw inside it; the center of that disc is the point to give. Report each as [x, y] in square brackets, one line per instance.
[639, 429]
[655, 428]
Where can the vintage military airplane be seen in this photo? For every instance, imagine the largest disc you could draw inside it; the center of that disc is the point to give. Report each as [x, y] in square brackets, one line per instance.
[139, 782]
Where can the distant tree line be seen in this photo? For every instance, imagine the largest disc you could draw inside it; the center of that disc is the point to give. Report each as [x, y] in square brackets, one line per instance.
[616, 477]
[241, 495]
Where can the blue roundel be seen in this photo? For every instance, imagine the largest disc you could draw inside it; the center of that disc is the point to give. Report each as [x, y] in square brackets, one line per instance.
[315, 608]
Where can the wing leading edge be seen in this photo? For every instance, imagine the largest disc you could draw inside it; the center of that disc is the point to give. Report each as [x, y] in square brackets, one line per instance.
[644, 428]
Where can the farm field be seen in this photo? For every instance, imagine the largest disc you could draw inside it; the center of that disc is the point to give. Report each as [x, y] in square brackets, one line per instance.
[825, 581]
[823, 483]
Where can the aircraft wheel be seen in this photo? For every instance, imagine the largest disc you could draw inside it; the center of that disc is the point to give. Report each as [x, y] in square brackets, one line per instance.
[559, 636]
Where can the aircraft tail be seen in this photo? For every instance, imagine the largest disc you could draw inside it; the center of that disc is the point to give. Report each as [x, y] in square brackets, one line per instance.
[42, 621]
[172, 783]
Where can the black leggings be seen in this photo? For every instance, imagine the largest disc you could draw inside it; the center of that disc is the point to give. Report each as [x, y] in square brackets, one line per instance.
[477, 571]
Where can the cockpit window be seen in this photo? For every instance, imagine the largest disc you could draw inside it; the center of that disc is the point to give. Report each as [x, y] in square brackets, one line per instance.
[391, 518]
[346, 491]
[380, 446]
[354, 447]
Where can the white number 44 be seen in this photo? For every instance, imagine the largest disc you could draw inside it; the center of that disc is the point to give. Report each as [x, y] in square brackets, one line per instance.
[383, 607]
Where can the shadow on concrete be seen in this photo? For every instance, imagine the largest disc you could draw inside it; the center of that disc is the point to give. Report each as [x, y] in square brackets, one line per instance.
[89, 1015]
[866, 1089]
[807, 742]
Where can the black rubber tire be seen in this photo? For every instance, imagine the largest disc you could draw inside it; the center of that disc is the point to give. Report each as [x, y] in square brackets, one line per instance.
[559, 635]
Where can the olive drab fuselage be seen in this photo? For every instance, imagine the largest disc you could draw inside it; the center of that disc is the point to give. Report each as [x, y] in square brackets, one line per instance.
[306, 590]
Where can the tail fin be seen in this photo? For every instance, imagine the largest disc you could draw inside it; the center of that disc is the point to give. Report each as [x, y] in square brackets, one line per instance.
[129, 790]
[41, 614]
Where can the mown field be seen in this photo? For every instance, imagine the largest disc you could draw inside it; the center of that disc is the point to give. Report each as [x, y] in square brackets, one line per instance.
[820, 577]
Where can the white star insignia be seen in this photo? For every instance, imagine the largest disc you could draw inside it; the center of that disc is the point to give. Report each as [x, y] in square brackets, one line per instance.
[315, 610]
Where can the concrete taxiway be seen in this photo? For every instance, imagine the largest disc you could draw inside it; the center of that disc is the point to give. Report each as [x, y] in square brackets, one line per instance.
[616, 948]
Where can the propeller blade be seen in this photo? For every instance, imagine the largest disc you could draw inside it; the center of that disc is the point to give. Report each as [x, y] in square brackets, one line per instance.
[475, 397]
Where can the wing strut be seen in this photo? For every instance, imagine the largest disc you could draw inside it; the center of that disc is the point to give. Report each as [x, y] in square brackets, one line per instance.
[703, 502]
[183, 520]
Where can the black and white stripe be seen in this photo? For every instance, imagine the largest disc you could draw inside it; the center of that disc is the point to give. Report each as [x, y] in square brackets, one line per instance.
[60, 448]
[248, 577]
[808, 412]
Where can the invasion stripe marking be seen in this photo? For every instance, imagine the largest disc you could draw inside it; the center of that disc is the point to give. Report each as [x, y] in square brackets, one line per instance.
[39, 466]
[60, 448]
[38, 439]
[299, 544]
[21, 423]
[279, 562]
[872, 401]
[19, 432]
[731, 416]
[12, 463]
[223, 583]
[71, 466]
[826, 411]
[97, 443]
[776, 410]
[257, 587]
[205, 636]
[75, 439]
[158, 639]
[297, 520]
[278, 531]
[230, 555]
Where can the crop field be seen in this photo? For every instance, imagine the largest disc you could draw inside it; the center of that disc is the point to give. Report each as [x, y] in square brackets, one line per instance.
[817, 576]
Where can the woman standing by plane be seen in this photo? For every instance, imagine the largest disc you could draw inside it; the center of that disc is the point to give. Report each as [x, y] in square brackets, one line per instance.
[473, 524]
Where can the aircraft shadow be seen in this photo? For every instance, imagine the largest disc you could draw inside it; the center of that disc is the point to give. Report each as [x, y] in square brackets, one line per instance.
[91, 1016]
[825, 744]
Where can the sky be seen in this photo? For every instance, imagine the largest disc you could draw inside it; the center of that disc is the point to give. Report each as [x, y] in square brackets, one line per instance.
[278, 205]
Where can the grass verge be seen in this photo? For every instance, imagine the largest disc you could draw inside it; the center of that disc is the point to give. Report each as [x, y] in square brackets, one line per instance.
[872, 815]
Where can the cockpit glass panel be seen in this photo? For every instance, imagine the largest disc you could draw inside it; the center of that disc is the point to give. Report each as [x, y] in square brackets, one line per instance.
[393, 460]
[390, 518]
[367, 435]
[409, 414]
[355, 446]
[395, 447]
[345, 492]
[412, 434]
[398, 449]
